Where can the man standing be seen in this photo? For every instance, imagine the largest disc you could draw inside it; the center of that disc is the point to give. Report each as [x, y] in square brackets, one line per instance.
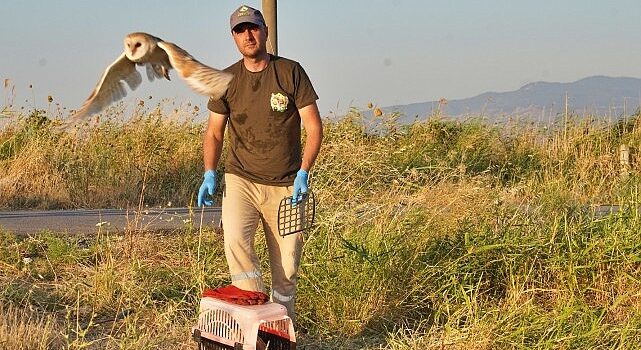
[262, 109]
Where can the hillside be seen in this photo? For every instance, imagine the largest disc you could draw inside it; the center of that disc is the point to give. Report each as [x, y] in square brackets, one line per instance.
[597, 95]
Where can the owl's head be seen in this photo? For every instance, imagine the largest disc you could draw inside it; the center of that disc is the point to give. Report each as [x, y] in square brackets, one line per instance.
[138, 45]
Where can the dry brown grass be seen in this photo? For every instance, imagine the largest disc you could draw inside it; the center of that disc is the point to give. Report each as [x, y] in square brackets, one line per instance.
[439, 235]
[21, 329]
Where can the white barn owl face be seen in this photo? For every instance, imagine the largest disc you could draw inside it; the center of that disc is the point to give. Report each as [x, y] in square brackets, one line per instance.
[137, 46]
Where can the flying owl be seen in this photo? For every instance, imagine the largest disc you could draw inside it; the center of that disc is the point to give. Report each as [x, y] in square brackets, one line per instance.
[158, 57]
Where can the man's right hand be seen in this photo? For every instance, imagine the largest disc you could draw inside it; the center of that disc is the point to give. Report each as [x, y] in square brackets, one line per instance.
[207, 188]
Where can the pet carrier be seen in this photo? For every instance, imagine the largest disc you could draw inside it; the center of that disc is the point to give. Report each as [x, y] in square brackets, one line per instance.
[223, 325]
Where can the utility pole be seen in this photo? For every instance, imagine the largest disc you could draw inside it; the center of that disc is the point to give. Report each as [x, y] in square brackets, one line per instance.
[269, 11]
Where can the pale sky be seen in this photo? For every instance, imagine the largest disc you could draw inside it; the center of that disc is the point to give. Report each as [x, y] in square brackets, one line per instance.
[386, 52]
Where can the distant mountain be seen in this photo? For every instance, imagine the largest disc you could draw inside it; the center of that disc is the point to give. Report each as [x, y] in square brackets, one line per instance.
[595, 96]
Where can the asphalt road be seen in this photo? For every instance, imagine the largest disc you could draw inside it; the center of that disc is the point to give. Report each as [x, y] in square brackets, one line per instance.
[112, 220]
[87, 221]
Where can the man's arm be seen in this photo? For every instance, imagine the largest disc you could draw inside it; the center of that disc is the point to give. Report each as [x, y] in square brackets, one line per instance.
[213, 140]
[314, 129]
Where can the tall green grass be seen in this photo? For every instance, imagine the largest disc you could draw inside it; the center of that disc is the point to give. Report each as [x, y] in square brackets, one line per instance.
[439, 234]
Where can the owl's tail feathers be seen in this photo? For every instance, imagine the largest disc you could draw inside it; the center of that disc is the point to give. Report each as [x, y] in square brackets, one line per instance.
[156, 71]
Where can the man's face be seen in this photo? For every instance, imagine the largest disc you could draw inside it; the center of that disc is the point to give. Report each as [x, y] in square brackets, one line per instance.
[251, 39]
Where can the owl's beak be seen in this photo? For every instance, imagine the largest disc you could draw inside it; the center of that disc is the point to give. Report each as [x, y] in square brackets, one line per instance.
[128, 49]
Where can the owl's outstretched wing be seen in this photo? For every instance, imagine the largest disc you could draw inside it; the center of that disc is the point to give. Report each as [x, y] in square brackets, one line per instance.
[201, 78]
[110, 88]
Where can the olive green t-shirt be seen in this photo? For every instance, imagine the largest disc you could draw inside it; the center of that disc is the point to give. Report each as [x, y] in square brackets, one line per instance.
[264, 125]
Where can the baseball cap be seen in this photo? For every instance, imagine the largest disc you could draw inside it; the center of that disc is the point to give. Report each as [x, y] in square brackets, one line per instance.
[246, 14]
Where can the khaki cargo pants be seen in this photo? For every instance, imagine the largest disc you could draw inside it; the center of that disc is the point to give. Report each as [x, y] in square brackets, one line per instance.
[245, 203]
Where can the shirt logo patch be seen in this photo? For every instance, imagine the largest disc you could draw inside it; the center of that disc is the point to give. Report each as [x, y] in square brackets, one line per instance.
[279, 102]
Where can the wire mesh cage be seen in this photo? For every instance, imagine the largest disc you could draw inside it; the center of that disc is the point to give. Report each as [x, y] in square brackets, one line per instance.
[298, 216]
[225, 326]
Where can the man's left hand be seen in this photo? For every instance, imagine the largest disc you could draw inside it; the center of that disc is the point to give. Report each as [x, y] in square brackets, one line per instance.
[300, 186]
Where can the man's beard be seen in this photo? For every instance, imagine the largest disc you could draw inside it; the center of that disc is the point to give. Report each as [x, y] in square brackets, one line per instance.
[254, 51]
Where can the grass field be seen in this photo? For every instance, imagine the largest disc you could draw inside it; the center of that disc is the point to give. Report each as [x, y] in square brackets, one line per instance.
[436, 235]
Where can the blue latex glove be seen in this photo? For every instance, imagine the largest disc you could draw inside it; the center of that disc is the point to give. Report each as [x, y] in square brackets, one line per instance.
[207, 188]
[300, 185]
